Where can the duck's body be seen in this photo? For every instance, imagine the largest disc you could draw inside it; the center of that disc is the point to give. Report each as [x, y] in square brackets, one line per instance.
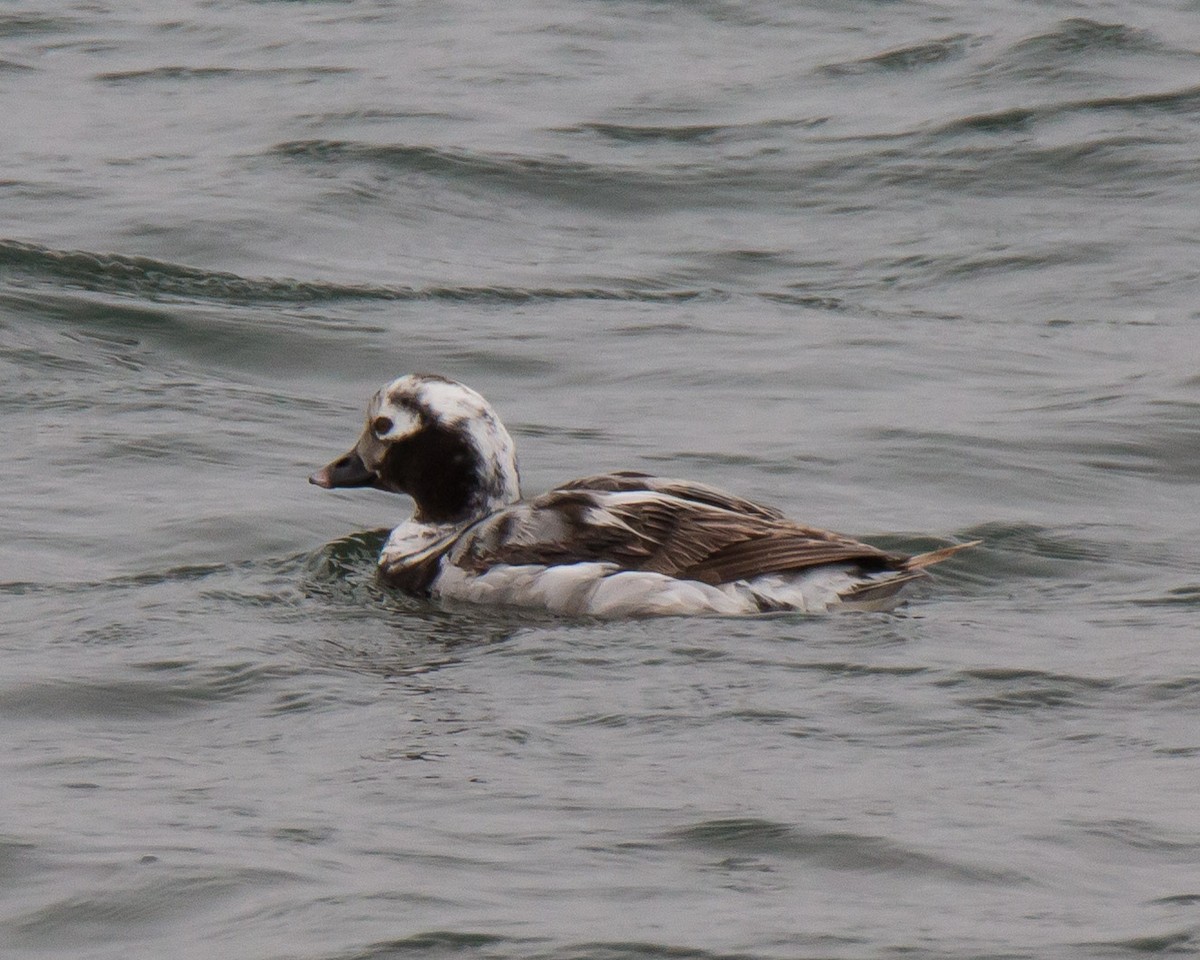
[613, 545]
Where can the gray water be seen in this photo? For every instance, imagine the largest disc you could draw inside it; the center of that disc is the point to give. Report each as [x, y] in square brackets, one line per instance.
[915, 271]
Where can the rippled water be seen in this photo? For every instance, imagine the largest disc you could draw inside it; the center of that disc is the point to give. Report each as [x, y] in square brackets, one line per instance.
[917, 271]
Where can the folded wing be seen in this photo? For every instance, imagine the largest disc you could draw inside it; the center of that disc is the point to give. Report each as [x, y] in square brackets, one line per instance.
[674, 527]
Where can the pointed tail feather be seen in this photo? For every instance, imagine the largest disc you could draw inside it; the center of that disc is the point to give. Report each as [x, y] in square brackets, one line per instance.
[879, 593]
[922, 560]
[879, 590]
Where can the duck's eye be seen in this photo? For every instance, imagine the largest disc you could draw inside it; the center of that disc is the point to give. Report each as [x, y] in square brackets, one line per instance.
[381, 426]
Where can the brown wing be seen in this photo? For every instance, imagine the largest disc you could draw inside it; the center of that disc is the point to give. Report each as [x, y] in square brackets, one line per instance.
[696, 541]
[783, 546]
[624, 481]
[690, 534]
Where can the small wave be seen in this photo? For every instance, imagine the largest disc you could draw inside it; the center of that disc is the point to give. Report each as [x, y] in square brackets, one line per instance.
[616, 189]
[32, 24]
[1120, 163]
[1184, 596]
[439, 943]
[340, 582]
[903, 59]
[1178, 943]
[145, 900]
[1017, 690]
[485, 946]
[631, 133]
[208, 73]
[952, 266]
[1180, 692]
[1139, 835]
[842, 668]
[348, 553]
[1178, 900]
[1002, 689]
[1080, 35]
[814, 301]
[646, 950]
[704, 134]
[1029, 550]
[517, 171]
[343, 572]
[1184, 100]
[152, 279]
[1077, 52]
[181, 574]
[374, 115]
[837, 851]
[133, 699]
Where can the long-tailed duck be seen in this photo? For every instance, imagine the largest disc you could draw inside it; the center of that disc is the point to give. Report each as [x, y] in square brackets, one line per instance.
[614, 545]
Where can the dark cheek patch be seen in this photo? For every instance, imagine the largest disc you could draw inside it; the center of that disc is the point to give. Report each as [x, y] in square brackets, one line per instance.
[438, 469]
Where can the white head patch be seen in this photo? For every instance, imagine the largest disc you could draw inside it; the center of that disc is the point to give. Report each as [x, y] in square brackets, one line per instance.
[413, 402]
[389, 420]
[452, 403]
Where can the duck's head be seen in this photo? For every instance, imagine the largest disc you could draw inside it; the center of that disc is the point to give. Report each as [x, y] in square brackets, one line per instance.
[436, 440]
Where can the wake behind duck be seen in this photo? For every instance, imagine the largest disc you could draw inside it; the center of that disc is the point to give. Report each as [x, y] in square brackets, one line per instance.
[614, 545]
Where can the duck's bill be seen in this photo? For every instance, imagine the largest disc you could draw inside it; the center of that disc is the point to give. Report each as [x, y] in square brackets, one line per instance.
[345, 471]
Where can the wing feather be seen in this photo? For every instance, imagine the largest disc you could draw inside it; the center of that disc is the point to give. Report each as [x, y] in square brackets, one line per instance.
[786, 547]
[638, 522]
[624, 481]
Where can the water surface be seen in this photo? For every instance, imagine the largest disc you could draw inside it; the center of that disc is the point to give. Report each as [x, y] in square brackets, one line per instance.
[916, 271]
